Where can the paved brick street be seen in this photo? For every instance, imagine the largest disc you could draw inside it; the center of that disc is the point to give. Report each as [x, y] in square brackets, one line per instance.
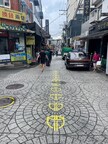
[57, 106]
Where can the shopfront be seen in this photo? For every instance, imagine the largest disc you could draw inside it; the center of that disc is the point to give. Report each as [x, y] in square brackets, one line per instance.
[98, 40]
[4, 51]
[15, 46]
[12, 44]
[11, 34]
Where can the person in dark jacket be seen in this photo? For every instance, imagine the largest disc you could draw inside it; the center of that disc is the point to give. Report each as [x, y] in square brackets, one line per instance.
[42, 55]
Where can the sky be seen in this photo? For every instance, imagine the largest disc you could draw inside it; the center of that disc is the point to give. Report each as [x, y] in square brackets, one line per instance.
[51, 10]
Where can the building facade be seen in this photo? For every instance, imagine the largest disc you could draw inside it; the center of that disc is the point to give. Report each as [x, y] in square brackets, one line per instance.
[95, 30]
[17, 40]
[74, 19]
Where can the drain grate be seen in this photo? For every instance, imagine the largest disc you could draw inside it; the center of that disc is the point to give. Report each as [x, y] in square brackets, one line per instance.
[6, 101]
[15, 86]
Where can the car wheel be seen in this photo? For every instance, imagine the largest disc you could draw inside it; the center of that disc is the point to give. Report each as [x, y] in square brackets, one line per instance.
[88, 68]
[67, 67]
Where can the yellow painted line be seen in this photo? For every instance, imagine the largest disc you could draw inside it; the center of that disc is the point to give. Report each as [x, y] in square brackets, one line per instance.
[56, 79]
[58, 122]
[56, 97]
[13, 100]
[55, 84]
[55, 89]
[55, 121]
[55, 106]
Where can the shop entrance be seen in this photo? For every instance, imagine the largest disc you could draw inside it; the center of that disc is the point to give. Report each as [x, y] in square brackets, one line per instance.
[104, 51]
[94, 45]
[4, 46]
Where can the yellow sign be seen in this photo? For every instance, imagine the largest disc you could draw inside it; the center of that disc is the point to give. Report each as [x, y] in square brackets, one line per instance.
[12, 15]
[55, 106]
[58, 122]
[29, 55]
[30, 40]
[18, 57]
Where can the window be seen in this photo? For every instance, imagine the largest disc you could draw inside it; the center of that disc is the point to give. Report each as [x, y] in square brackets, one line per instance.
[5, 3]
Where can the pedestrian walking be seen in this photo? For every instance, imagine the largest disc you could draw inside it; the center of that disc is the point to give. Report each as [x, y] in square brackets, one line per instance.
[48, 55]
[56, 52]
[42, 55]
[96, 57]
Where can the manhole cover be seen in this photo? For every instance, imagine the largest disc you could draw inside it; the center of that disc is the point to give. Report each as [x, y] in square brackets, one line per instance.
[15, 86]
[6, 101]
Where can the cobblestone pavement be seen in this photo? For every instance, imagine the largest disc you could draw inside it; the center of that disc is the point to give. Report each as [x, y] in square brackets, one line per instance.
[55, 107]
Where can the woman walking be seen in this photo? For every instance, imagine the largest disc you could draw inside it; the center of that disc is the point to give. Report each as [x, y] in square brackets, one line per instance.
[42, 55]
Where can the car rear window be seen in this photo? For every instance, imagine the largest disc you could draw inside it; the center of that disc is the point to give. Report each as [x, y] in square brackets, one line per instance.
[77, 55]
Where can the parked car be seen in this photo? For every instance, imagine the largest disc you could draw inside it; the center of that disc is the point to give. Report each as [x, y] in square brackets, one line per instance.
[77, 59]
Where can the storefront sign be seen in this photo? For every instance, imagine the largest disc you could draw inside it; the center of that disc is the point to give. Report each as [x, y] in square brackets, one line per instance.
[5, 58]
[103, 25]
[29, 55]
[18, 57]
[47, 25]
[12, 15]
[86, 7]
[30, 40]
[99, 27]
[11, 27]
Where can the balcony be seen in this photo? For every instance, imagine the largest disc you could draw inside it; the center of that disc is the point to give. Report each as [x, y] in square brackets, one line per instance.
[94, 16]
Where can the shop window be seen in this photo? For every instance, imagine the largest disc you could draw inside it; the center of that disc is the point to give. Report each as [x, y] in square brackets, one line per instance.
[4, 46]
[16, 43]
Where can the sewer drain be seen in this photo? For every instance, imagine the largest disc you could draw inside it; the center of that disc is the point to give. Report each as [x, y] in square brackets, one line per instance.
[15, 86]
[6, 101]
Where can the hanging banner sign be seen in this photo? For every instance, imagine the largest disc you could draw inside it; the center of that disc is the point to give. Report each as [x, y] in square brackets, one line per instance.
[12, 15]
[86, 7]
[5, 58]
[18, 57]
[29, 55]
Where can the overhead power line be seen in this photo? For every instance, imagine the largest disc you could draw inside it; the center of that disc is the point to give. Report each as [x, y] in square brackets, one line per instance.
[57, 18]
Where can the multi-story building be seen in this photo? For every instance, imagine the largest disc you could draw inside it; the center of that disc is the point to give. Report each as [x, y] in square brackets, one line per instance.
[18, 40]
[95, 29]
[74, 18]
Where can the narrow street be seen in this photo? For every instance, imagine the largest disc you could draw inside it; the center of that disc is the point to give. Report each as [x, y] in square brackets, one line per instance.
[57, 106]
